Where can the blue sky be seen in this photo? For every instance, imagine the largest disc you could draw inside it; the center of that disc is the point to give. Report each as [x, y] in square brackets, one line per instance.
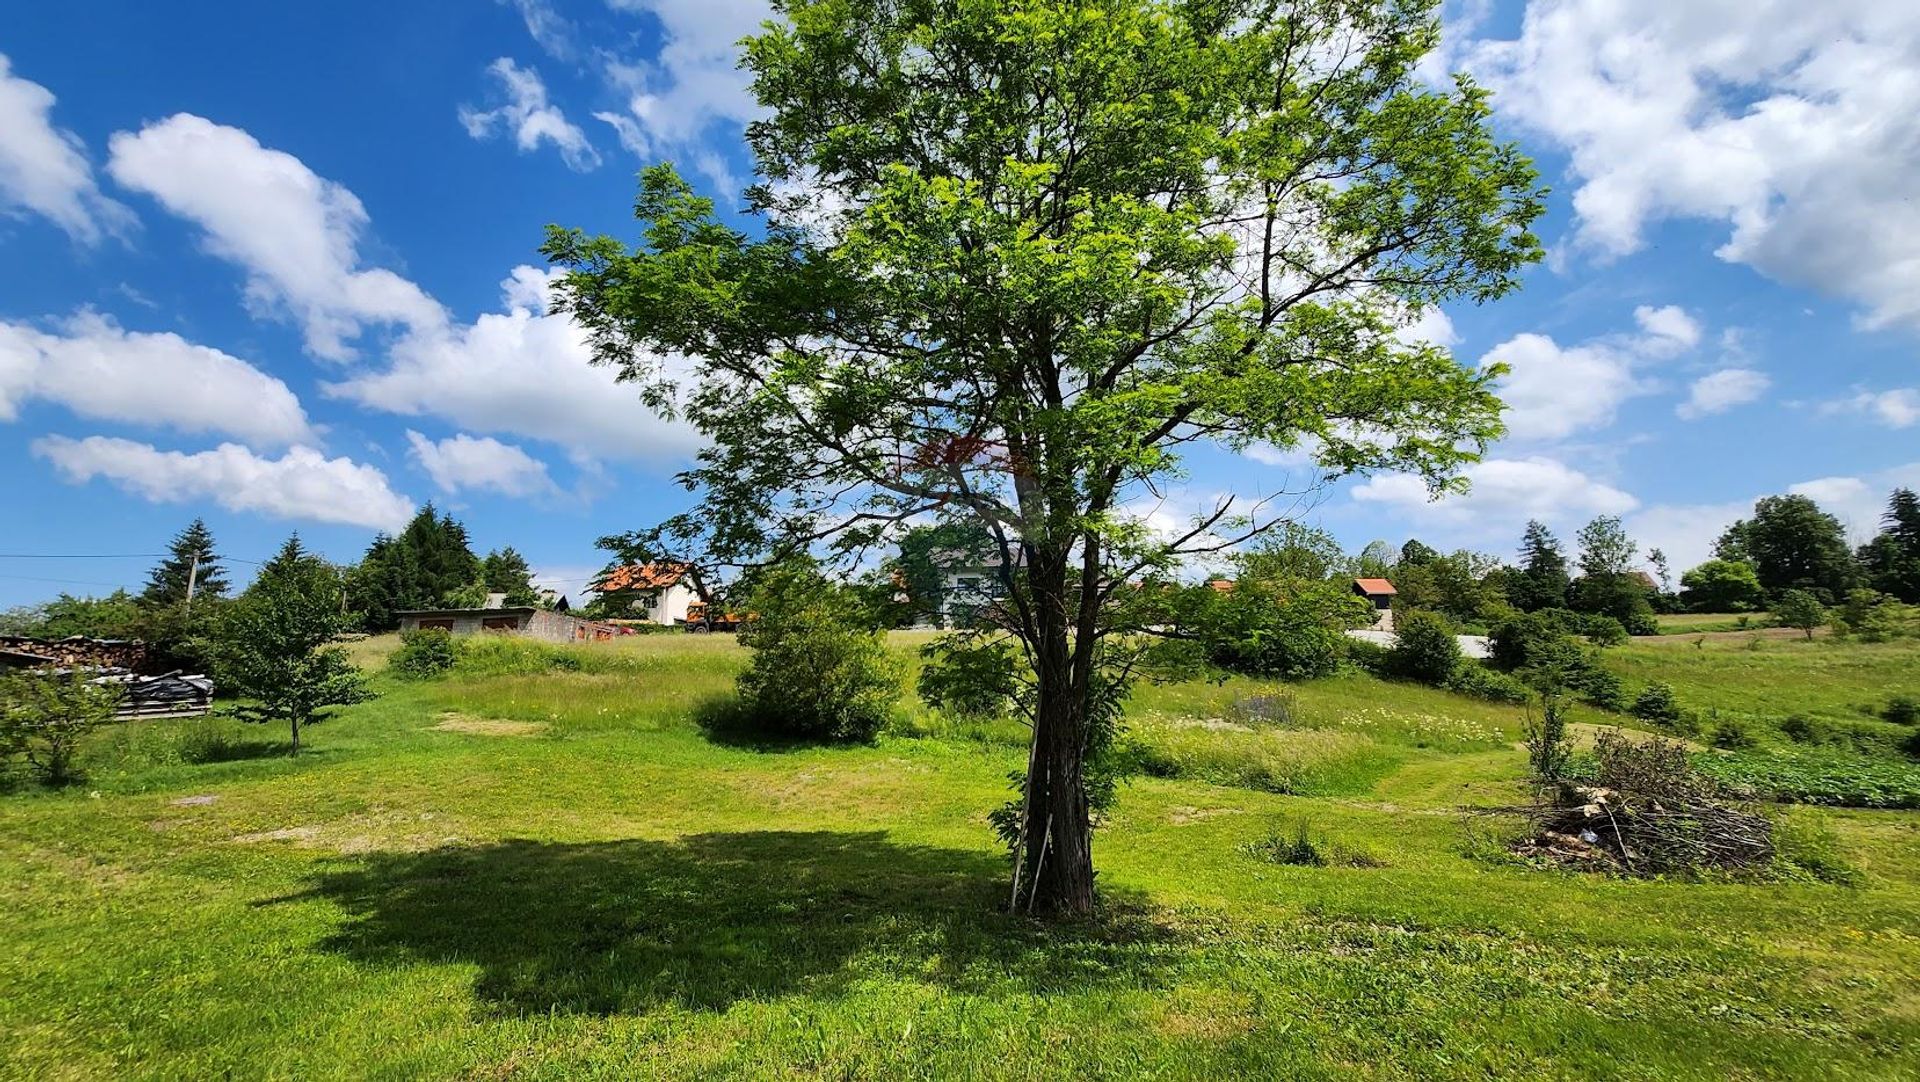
[275, 265]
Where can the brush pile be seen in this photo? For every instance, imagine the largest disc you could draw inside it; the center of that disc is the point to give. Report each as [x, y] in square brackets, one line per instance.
[1646, 811]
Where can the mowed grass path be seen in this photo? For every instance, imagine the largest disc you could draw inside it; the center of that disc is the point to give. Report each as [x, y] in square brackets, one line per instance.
[535, 874]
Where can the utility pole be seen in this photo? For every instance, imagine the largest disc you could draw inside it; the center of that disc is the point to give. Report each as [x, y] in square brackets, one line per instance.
[193, 578]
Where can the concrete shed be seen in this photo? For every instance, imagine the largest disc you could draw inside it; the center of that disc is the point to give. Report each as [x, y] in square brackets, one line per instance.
[532, 622]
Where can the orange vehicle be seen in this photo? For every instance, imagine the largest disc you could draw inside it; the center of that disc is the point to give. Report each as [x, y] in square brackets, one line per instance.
[702, 618]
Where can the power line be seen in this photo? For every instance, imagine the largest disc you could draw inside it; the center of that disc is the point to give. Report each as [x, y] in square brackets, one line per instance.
[82, 555]
[63, 582]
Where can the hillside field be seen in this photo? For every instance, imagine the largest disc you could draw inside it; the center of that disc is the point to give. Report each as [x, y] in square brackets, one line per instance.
[541, 866]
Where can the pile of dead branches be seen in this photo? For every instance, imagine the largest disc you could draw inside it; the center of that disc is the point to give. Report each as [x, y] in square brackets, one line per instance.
[1645, 811]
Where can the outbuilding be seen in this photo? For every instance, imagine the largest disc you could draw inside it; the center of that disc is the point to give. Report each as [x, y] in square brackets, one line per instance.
[526, 620]
[1380, 593]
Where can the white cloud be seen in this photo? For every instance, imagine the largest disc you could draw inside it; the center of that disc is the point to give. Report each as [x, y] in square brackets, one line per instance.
[1505, 493]
[96, 369]
[1795, 125]
[44, 169]
[1685, 532]
[301, 484]
[523, 372]
[1667, 330]
[547, 27]
[295, 233]
[464, 462]
[1718, 392]
[693, 83]
[1897, 408]
[1553, 391]
[530, 117]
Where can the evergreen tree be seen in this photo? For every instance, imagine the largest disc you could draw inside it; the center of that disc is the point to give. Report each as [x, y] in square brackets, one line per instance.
[1892, 558]
[418, 569]
[168, 583]
[507, 572]
[1541, 582]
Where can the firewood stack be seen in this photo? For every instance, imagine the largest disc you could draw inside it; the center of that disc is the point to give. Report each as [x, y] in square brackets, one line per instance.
[80, 652]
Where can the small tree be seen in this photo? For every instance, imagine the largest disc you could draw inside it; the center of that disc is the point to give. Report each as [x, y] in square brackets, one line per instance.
[1798, 608]
[819, 668]
[44, 716]
[1553, 673]
[1424, 648]
[274, 643]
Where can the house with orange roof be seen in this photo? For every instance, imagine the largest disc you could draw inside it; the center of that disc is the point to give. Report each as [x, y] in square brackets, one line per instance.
[658, 592]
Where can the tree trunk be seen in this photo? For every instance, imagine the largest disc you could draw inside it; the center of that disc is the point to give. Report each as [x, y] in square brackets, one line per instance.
[1057, 857]
[295, 723]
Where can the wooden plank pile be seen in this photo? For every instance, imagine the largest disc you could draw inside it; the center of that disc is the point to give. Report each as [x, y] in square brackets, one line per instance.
[118, 662]
[170, 695]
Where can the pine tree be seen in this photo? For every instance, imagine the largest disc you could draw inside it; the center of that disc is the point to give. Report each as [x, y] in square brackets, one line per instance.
[1892, 558]
[418, 569]
[1541, 582]
[168, 583]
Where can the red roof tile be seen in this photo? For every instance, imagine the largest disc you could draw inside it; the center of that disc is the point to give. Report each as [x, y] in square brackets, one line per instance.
[641, 577]
[1375, 586]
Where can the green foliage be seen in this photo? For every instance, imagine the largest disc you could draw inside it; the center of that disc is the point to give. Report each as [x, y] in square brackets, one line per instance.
[1555, 670]
[1799, 608]
[1902, 709]
[1791, 543]
[1470, 677]
[417, 569]
[819, 669]
[999, 265]
[1457, 585]
[1293, 628]
[45, 716]
[1722, 586]
[1656, 705]
[1731, 732]
[274, 646]
[1805, 846]
[1424, 648]
[423, 654]
[1867, 615]
[969, 677]
[1810, 776]
[167, 586]
[115, 616]
[1541, 580]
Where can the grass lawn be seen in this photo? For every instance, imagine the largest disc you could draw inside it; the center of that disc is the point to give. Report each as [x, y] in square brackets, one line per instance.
[522, 872]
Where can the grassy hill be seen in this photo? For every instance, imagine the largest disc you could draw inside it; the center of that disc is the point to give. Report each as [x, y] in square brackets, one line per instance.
[541, 867]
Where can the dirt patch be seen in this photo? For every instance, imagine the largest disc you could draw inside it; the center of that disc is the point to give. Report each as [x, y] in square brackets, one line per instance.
[194, 801]
[1182, 814]
[461, 723]
[284, 834]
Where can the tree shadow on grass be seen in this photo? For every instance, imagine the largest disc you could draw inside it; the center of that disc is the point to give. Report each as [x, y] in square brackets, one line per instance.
[727, 721]
[705, 921]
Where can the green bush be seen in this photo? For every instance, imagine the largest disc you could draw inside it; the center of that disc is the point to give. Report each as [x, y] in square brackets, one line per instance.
[1732, 734]
[1902, 710]
[1294, 631]
[968, 678]
[424, 654]
[45, 716]
[819, 669]
[1370, 657]
[1473, 678]
[1424, 648]
[1656, 705]
[1599, 687]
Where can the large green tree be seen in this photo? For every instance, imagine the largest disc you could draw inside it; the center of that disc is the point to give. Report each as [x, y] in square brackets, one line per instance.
[1013, 260]
[1609, 583]
[190, 561]
[1793, 544]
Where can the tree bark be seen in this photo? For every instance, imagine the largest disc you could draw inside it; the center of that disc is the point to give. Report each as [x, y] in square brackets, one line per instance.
[1057, 859]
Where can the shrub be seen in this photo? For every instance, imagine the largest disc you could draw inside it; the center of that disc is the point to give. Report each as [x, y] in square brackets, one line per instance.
[1732, 734]
[819, 669]
[1902, 710]
[1473, 678]
[1294, 631]
[1599, 687]
[1656, 705]
[1800, 609]
[1424, 648]
[1802, 729]
[1370, 657]
[424, 654]
[44, 717]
